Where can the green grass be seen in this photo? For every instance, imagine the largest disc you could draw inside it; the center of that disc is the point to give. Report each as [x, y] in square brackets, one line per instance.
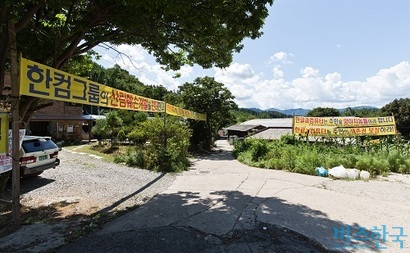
[105, 151]
[301, 157]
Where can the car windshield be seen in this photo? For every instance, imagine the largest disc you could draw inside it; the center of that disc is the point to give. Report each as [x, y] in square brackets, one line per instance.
[38, 145]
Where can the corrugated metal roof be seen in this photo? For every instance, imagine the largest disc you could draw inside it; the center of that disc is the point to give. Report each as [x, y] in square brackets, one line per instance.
[282, 122]
[242, 127]
[271, 134]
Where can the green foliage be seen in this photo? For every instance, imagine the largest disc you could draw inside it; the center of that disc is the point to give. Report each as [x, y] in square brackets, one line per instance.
[323, 112]
[138, 136]
[159, 147]
[121, 135]
[119, 125]
[176, 33]
[304, 157]
[400, 109]
[259, 150]
[361, 112]
[207, 96]
[288, 139]
[241, 146]
[135, 157]
[243, 114]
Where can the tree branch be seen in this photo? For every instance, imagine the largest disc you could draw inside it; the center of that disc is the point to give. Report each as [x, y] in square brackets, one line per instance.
[23, 22]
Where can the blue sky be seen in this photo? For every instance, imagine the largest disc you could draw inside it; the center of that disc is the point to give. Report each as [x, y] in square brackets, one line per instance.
[312, 53]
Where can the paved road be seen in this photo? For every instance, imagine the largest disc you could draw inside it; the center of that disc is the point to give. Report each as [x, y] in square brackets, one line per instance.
[223, 205]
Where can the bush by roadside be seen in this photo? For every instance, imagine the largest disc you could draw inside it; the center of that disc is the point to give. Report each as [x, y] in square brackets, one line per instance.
[303, 157]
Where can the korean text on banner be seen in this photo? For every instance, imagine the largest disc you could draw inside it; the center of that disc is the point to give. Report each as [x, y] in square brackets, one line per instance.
[345, 131]
[38, 80]
[178, 111]
[344, 121]
[344, 126]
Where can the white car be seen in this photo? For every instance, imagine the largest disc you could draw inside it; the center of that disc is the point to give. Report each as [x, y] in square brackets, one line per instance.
[38, 153]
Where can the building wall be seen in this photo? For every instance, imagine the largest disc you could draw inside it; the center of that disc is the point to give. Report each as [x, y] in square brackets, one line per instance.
[62, 108]
[68, 130]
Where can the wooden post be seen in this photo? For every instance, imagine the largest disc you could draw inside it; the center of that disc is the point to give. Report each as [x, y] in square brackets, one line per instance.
[15, 94]
[165, 128]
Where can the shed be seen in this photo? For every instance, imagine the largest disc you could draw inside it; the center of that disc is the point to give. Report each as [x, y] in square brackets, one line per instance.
[282, 123]
[271, 134]
[243, 130]
[274, 128]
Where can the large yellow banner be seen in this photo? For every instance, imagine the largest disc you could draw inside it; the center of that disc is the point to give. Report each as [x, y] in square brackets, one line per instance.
[344, 126]
[41, 81]
[178, 111]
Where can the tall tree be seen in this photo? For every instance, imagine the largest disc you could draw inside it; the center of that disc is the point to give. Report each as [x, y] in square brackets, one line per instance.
[176, 32]
[400, 109]
[205, 95]
[323, 112]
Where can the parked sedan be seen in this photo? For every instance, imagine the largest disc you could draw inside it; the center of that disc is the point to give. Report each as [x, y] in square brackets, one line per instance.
[37, 154]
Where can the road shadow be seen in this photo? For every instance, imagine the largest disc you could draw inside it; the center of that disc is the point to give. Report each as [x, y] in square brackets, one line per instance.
[75, 225]
[228, 220]
[120, 201]
[26, 185]
[215, 155]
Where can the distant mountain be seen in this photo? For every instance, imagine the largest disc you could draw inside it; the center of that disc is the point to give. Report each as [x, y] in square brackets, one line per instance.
[254, 109]
[303, 112]
[359, 108]
[292, 112]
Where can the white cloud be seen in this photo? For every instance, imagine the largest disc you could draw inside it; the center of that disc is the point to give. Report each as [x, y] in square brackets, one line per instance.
[312, 89]
[281, 58]
[309, 72]
[139, 63]
[277, 73]
[134, 53]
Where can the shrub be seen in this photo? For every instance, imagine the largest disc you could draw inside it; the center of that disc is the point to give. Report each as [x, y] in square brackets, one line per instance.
[166, 147]
[258, 150]
[241, 146]
[304, 157]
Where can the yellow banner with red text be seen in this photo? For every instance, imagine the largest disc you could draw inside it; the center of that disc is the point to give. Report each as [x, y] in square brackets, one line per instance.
[344, 126]
[38, 80]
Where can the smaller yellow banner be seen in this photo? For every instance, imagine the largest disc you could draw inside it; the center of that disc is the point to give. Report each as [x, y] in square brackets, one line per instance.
[344, 121]
[344, 131]
[178, 111]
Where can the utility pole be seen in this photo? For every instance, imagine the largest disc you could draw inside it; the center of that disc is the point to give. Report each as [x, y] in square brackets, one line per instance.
[15, 95]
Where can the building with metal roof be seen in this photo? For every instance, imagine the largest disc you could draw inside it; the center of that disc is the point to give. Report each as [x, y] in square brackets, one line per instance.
[271, 134]
[270, 123]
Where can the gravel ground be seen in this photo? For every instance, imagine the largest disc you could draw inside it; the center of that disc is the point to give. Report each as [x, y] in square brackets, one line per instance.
[85, 184]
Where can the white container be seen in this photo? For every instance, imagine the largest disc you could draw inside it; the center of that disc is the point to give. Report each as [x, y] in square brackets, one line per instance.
[365, 175]
[352, 174]
[338, 172]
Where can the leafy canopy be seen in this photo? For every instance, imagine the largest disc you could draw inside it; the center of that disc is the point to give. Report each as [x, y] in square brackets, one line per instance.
[323, 112]
[205, 95]
[400, 109]
[176, 32]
